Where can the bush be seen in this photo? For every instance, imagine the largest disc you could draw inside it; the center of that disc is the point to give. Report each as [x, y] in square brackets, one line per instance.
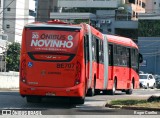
[153, 99]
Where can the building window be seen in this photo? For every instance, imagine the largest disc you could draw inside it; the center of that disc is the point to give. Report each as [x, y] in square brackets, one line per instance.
[139, 3]
[109, 30]
[32, 13]
[143, 5]
[7, 26]
[8, 9]
[131, 1]
[134, 14]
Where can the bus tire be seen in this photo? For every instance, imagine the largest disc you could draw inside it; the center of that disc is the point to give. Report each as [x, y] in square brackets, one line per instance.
[80, 100]
[130, 91]
[77, 100]
[33, 99]
[113, 90]
[97, 92]
[91, 91]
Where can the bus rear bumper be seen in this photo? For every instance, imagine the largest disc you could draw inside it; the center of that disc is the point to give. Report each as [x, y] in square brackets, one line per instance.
[75, 91]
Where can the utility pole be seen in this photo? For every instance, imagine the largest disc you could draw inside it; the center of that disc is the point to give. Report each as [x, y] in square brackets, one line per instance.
[5, 37]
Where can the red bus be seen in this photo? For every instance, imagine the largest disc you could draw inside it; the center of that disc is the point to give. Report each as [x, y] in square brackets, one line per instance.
[118, 67]
[65, 60]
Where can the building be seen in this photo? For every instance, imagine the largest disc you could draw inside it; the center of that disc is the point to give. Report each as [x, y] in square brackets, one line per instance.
[149, 42]
[143, 6]
[47, 7]
[16, 14]
[43, 9]
[2, 41]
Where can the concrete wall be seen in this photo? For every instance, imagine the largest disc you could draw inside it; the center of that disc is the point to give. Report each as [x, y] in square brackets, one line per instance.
[89, 3]
[126, 24]
[9, 80]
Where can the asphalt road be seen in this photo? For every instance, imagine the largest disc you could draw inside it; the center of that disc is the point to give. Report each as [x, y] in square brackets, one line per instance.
[61, 106]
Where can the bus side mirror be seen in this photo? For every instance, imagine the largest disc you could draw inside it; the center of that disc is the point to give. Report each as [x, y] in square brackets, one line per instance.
[140, 58]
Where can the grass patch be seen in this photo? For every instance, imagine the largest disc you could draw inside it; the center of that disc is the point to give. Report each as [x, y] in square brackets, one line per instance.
[148, 105]
[136, 103]
[127, 102]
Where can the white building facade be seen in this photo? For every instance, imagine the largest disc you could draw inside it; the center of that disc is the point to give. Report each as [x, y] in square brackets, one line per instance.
[16, 14]
[90, 3]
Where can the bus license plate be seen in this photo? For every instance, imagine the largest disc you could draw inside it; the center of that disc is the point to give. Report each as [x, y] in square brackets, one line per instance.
[50, 94]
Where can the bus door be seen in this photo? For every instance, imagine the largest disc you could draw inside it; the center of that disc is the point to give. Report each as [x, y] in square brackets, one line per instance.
[110, 69]
[125, 64]
[86, 54]
[101, 64]
[128, 64]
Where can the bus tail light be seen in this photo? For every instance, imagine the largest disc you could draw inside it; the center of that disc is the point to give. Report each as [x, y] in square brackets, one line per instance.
[78, 73]
[23, 71]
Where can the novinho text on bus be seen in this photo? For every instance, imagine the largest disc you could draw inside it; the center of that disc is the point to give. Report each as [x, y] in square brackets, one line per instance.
[66, 60]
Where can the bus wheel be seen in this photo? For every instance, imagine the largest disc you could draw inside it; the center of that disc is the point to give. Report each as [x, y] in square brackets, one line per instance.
[130, 91]
[112, 92]
[80, 100]
[33, 99]
[91, 91]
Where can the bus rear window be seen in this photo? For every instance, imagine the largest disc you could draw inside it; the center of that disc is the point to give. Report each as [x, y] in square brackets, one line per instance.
[51, 40]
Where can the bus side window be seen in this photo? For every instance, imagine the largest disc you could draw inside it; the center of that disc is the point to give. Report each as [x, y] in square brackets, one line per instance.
[134, 59]
[93, 48]
[97, 50]
[128, 57]
[115, 63]
[101, 58]
[110, 54]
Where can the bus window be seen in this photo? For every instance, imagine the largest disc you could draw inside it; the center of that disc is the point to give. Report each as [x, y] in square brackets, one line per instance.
[110, 53]
[101, 59]
[97, 50]
[93, 48]
[134, 59]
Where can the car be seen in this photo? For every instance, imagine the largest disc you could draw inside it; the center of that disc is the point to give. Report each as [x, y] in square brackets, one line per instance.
[147, 81]
[157, 78]
[141, 72]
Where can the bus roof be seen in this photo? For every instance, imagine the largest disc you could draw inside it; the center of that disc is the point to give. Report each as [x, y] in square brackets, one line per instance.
[38, 25]
[121, 40]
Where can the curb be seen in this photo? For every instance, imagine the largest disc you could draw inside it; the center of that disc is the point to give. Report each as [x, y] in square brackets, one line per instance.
[9, 89]
[131, 108]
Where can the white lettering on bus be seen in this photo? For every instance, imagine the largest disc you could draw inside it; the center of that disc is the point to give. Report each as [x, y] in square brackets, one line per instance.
[51, 43]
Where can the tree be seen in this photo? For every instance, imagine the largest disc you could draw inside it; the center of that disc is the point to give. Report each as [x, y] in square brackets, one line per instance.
[13, 56]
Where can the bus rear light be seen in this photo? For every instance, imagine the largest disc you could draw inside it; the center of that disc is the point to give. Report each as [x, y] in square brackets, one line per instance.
[78, 73]
[23, 71]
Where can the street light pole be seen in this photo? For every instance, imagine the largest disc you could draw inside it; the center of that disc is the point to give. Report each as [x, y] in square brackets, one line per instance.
[1, 61]
[6, 52]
